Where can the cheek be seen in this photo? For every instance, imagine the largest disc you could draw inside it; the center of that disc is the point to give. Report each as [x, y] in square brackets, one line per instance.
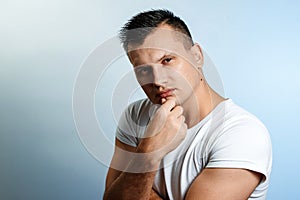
[144, 80]
[192, 73]
[147, 88]
[187, 76]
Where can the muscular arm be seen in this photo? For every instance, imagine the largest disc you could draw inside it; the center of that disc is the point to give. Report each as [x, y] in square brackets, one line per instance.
[223, 184]
[138, 185]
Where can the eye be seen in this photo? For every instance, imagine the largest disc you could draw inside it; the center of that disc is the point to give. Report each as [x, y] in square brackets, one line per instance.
[167, 60]
[143, 71]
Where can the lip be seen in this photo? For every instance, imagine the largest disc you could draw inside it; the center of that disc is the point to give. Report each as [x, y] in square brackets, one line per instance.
[166, 93]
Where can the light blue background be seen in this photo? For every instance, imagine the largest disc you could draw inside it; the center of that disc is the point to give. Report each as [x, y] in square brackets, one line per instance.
[254, 45]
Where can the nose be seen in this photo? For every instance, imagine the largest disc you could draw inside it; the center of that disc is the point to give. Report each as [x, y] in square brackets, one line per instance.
[159, 75]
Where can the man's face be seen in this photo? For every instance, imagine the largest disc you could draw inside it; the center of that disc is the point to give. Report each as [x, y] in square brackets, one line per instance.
[165, 68]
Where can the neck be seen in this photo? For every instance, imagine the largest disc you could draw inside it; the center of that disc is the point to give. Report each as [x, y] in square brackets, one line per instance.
[200, 104]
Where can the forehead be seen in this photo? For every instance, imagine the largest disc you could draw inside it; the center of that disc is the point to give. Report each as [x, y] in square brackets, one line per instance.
[161, 41]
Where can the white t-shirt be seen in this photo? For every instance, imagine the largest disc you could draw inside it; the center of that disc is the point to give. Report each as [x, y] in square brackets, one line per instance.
[228, 137]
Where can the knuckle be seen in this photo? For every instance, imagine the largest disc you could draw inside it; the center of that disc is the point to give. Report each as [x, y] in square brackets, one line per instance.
[180, 109]
[182, 118]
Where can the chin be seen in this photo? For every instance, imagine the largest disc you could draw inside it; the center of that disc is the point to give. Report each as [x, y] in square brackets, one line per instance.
[177, 101]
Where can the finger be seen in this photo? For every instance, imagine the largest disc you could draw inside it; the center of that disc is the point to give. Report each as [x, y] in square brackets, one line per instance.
[177, 111]
[181, 119]
[163, 100]
[169, 104]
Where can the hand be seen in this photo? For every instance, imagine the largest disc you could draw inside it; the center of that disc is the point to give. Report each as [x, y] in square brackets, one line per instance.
[166, 130]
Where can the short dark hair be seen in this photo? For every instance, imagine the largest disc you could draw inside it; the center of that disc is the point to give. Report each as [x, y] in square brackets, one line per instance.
[139, 26]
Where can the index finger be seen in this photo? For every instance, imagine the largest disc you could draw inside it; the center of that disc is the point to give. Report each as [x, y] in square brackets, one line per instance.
[169, 104]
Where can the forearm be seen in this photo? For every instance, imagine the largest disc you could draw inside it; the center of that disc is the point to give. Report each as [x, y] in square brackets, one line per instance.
[135, 182]
[154, 195]
[131, 186]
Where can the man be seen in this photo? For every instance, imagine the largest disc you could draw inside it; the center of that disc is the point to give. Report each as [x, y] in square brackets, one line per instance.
[195, 144]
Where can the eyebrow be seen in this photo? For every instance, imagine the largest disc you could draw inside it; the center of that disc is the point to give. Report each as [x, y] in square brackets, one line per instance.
[166, 54]
[142, 67]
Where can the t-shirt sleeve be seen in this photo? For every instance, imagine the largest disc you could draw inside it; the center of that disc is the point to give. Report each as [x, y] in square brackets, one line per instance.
[133, 122]
[126, 132]
[245, 145]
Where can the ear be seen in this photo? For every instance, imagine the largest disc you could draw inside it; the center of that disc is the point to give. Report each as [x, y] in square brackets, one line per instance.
[197, 53]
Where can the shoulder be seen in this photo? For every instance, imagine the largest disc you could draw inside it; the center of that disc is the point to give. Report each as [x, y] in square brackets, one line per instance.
[231, 120]
[242, 141]
[240, 126]
[138, 110]
[237, 119]
[139, 105]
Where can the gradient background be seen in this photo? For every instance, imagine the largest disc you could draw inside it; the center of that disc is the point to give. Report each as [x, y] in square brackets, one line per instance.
[254, 45]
